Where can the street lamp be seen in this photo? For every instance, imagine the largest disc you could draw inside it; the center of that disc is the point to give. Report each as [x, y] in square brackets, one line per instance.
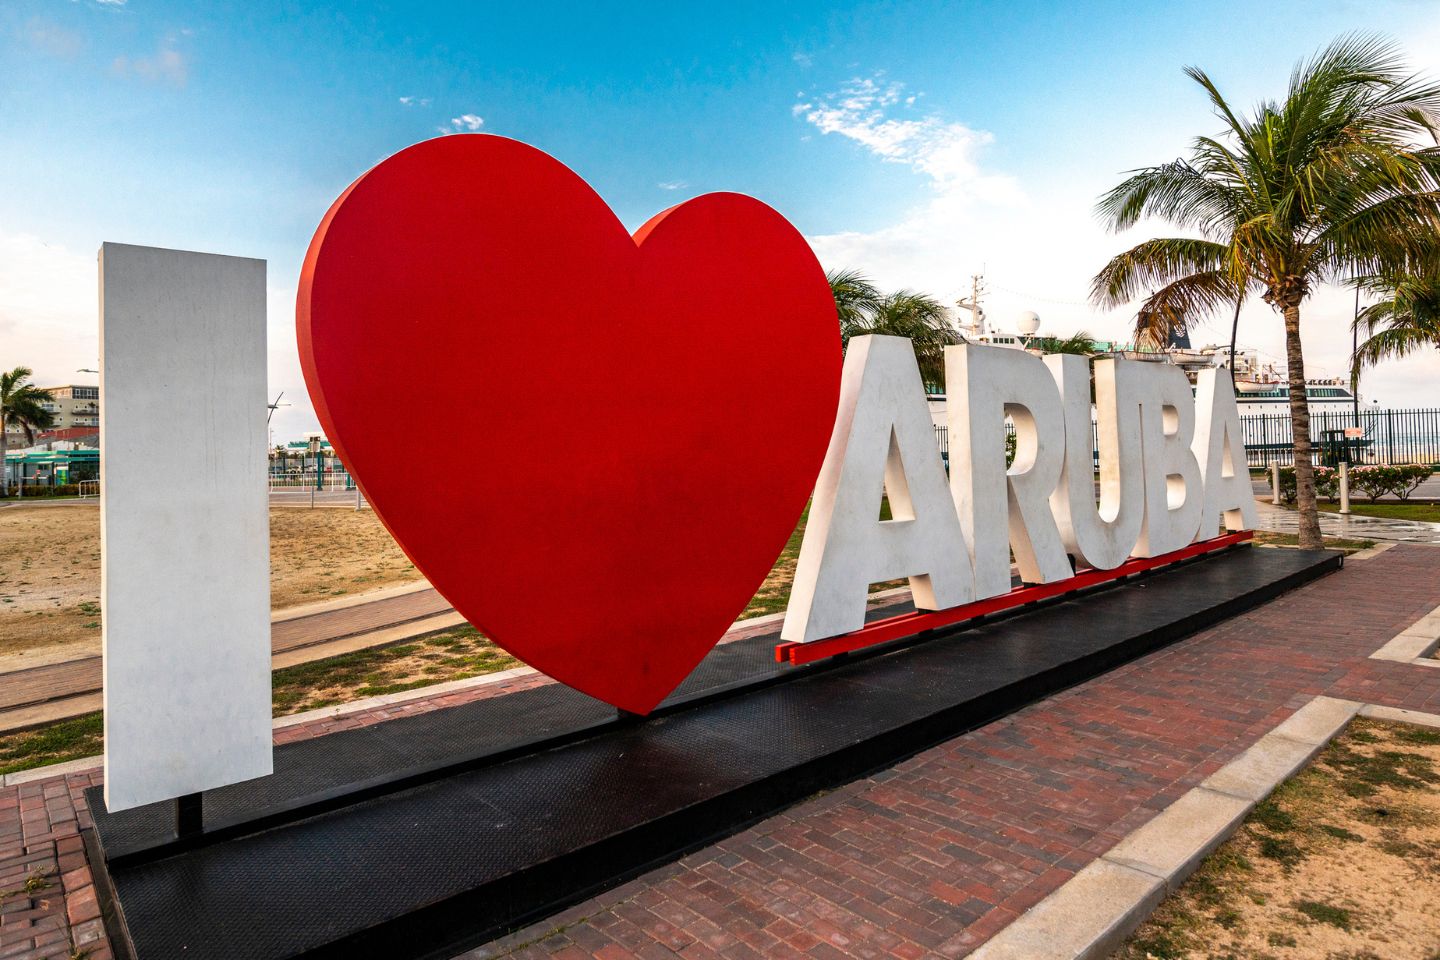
[315, 444]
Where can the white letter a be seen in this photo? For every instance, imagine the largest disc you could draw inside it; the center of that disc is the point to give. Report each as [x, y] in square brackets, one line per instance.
[884, 443]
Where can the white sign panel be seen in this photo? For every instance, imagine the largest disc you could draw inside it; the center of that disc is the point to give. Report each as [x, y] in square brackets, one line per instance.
[184, 511]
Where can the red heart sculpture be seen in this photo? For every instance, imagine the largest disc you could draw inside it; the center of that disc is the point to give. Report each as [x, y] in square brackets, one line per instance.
[593, 445]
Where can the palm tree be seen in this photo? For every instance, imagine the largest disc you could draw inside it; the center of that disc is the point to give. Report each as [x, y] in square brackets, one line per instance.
[1408, 320]
[1079, 342]
[921, 318]
[1326, 185]
[855, 300]
[21, 405]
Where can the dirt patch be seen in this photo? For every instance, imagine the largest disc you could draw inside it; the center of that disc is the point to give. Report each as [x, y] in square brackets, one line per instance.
[1266, 538]
[50, 569]
[454, 655]
[1340, 863]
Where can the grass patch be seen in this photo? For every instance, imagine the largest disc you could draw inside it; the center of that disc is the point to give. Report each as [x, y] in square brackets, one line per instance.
[1341, 857]
[1421, 512]
[462, 653]
[1267, 538]
[1325, 913]
[56, 743]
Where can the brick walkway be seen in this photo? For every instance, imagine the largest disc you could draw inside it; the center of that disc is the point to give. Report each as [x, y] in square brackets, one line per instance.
[927, 859]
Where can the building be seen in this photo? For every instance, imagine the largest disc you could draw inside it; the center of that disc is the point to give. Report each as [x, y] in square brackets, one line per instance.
[75, 407]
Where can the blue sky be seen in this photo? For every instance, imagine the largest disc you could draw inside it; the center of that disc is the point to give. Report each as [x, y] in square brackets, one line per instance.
[917, 141]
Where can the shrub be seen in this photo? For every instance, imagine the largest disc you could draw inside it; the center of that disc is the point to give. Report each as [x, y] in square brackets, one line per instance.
[45, 490]
[1327, 483]
[1376, 481]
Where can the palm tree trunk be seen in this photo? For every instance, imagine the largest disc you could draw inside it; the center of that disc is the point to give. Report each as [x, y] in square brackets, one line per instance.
[4, 444]
[1305, 504]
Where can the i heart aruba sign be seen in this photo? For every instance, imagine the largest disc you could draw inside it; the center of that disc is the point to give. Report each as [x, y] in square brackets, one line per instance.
[594, 444]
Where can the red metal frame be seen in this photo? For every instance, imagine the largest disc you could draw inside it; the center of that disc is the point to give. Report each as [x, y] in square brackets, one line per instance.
[909, 624]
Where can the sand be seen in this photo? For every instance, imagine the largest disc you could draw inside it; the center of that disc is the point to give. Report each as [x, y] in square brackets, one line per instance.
[1341, 863]
[50, 570]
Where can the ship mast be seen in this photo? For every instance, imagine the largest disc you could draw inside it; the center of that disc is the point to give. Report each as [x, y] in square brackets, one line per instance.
[976, 327]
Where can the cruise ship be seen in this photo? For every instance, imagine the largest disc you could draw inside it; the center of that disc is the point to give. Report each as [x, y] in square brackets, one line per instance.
[1260, 386]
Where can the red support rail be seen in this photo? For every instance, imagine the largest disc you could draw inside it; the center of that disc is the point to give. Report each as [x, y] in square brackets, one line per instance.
[909, 624]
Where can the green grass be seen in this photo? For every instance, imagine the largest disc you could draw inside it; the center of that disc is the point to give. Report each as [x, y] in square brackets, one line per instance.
[454, 655]
[1267, 539]
[1351, 782]
[56, 743]
[1325, 913]
[1423, 512]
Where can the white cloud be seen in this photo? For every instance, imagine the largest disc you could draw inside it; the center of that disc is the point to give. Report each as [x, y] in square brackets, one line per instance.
[937, 244]
[1039, 244]
[863, 110]
[166, 65]
[465, 123]
[48, 315]
[415, 101]
[803, 59]
[111, 3]
[49, 321]
[52, 38]
[672, 185]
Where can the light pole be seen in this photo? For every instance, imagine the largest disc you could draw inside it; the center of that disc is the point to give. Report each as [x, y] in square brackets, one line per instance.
[315, 457]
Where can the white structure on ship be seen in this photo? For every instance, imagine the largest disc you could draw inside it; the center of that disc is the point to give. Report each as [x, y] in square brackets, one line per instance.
[1260, 386]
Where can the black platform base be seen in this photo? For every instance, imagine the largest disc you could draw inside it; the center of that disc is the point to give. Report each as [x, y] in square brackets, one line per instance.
[424, 836]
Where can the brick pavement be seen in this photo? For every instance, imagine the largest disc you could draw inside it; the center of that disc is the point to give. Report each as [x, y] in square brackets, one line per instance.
[927, 859]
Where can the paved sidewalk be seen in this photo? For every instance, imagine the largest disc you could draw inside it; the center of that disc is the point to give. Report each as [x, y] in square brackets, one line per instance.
[1353, 527]
[69, 688]
[930, 858]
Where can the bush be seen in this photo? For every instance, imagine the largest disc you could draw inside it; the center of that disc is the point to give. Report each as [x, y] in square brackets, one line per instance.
[1379, 480]
[43, 490]
[1327, 483]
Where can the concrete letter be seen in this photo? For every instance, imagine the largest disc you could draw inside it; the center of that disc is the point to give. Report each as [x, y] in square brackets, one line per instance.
[884, 442]
[1173, 495]
[1000, 508]
[185, 523]
[1101, 536]
[1229, 498]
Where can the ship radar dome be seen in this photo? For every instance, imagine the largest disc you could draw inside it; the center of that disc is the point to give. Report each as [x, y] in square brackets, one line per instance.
[1027, 323]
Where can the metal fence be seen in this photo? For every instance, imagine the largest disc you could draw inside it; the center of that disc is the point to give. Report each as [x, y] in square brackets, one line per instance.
[1387, 436]
[305, 480]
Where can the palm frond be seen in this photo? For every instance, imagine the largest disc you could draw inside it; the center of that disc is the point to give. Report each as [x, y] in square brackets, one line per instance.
[1132, 274]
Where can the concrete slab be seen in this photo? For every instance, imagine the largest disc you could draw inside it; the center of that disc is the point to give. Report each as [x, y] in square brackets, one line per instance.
[1172, 845]
[1089, 916]
[1407, 647]
[1257, 771]
[1395, 714]
[1318, 721]
[1428, 625]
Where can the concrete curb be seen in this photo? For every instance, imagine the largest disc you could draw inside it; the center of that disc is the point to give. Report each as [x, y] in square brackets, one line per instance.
[1090, 915]
[344, 603]
[1416, 644]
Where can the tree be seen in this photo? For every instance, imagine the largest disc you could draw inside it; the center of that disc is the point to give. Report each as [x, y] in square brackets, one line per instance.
[1327, 185]
[1080, 343]
[924, 320]
[855, 301]
[22, 404]
[1406, 321]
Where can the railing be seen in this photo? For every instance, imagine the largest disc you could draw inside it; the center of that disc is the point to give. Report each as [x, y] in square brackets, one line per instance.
[89, 488]
[332, 480]
[1387, 436]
